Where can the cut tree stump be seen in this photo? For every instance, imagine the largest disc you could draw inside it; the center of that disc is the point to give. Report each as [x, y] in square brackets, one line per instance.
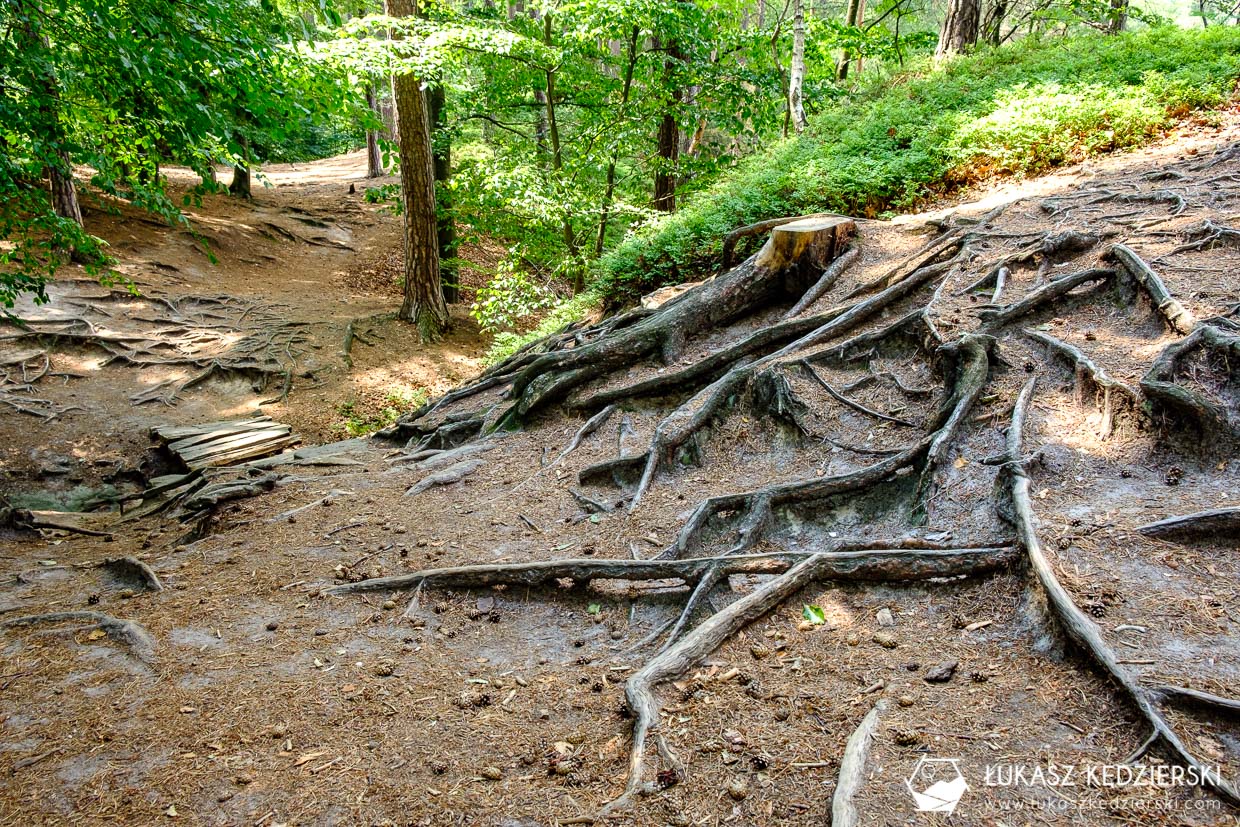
[809, 245]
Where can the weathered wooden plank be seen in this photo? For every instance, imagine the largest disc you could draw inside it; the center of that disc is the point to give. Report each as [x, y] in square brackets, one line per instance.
[174, 432]
[232, 443]
[182, 445]
[261, 449]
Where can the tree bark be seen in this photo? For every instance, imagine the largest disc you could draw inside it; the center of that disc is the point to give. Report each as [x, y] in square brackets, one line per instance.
[445, 233]
[992, 27]
[64, 192]
[1118, 17]
[604, 212]
[374, 161]
[960, 28]
[796, 77]
[668, 138]
[852, 17]
[240, 186]
[423, 304]
[557, 158]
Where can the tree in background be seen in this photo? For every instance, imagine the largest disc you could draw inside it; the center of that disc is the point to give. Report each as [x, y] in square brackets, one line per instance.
[960, 28]
[424, 302]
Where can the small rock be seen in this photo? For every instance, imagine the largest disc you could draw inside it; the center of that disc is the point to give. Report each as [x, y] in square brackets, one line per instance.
[492, 773]
[320, 632]
[885, 618]
[943, 672]
[616, 634]
[738, 788]
[272, 626]
[885, 640]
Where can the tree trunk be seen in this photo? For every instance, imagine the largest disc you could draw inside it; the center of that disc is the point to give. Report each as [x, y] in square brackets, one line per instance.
[64, 193]
[852, 17]
[668, 139]
[604, 212]
[960, 26]
[374, 160]
[992, 27]
[240, 186]
[445, 225]
[423, 304]
[1118, 17]
[796, 78]
[557, 159]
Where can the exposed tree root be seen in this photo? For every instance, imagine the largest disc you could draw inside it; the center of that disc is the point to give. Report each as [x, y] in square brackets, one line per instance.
[126, 632]
[1177, 315]
[1216, 525]
[1217, 703]
[131, 568]
[1088, 374]
[1076, 624]
[579, 370]
[878, 562]
[1211, 414]
[1047, 294]
[852, 769]
[206, 335]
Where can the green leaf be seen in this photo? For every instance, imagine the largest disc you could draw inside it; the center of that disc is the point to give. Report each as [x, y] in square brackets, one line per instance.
[814, 614]
[594, 609]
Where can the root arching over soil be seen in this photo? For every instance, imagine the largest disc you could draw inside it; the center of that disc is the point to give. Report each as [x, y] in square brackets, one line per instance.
[883, 388]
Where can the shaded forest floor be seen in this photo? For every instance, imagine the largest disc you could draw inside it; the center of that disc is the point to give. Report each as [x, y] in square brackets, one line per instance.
[265, 701]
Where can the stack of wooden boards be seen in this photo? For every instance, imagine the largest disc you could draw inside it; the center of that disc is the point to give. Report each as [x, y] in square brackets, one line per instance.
[225, 443]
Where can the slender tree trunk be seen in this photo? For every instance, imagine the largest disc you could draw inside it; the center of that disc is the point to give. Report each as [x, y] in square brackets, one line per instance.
[796, 77]
[605, 210]
[557, 158]
[852, 17]
[668, 138]
[992, 27]
[374, 160]
[960, 26]
[240, 186]
[436, 111]
[64, 192]
[423, 304]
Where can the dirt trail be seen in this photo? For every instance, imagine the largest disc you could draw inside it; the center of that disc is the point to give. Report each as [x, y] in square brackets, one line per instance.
[305, 255]
[269, 701]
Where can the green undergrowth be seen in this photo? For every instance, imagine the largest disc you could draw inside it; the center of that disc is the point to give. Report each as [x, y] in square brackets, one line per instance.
[1016, 110]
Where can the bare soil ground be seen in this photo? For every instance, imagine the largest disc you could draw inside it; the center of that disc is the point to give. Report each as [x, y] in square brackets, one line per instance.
[268, 701]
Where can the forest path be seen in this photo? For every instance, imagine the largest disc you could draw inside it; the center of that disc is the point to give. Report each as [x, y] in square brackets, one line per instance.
[297, 264]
